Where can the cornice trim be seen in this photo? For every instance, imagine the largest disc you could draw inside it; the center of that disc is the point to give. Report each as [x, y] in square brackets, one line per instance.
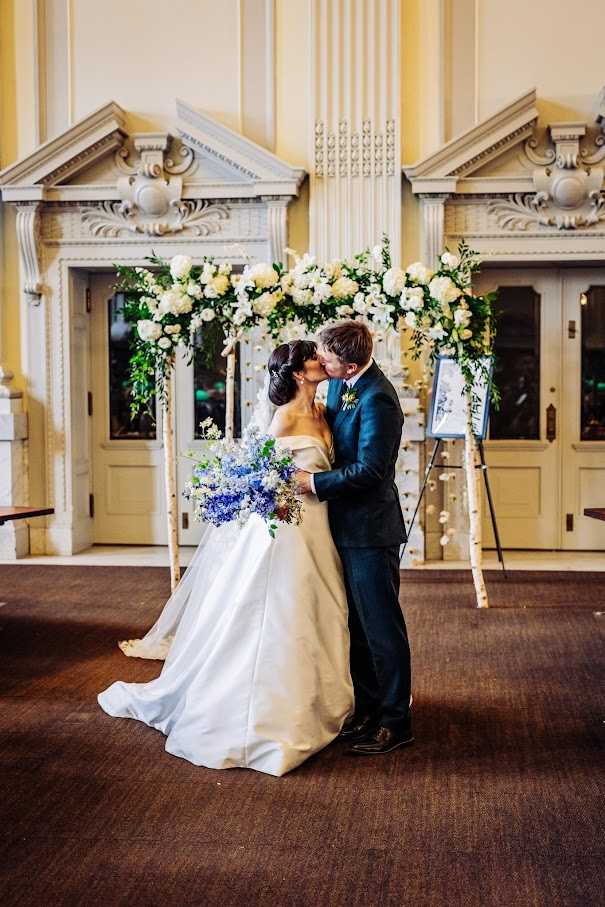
[468, 152]
[71, 152]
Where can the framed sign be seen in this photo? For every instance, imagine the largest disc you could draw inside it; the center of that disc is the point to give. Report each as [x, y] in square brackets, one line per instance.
[447, 418]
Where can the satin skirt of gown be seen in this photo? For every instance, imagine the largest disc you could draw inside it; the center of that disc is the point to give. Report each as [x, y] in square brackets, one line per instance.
[255, 642]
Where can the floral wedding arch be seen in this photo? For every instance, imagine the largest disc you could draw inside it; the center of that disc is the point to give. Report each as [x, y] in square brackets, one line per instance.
[171, 302]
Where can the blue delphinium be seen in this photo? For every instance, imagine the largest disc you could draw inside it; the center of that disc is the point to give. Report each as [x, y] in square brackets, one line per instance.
[238, 478]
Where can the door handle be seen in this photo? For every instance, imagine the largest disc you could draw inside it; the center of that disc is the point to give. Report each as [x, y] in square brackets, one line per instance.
[551, 423]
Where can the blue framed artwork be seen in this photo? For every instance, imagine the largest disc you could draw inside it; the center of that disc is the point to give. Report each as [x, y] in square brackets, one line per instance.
[447, 418]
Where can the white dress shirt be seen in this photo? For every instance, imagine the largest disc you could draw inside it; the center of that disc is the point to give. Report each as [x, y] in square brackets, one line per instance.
[348, 383]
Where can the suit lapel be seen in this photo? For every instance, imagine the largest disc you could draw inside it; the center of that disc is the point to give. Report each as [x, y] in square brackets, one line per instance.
[366, 379]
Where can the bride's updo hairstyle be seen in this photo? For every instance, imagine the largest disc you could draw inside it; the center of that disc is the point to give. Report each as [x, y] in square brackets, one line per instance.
[283, 362]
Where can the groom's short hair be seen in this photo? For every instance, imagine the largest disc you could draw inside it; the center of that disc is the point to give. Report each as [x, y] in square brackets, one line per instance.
[351, 341]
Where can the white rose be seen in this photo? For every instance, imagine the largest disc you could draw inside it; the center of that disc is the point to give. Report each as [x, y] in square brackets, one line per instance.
[265, 304]
[344, 287]
[377, 253]
[149, 330]
[394, 281]
[180, 266]
[194, 289]
[165, 342]
[419, 273]
[449, 261]
[444, 290]
[207, 314]
[172, 329]
[343, 310]
[410, 320]
[263, 275]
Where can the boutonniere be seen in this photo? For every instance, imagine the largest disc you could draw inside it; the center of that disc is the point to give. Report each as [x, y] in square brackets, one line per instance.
[349, 398]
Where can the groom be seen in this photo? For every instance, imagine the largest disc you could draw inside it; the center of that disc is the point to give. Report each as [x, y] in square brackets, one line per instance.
[365, 417]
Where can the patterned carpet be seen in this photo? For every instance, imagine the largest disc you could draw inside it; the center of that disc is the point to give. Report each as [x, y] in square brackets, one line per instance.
[499, 804]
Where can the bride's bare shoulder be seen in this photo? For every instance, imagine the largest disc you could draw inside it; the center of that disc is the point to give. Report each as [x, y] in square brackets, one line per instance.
[282, 423]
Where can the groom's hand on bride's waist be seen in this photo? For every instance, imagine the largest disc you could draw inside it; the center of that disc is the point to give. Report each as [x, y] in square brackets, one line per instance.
[304, 481]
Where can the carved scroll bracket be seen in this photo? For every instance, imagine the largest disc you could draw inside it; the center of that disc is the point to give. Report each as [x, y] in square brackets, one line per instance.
[28, 236]
[151, 194]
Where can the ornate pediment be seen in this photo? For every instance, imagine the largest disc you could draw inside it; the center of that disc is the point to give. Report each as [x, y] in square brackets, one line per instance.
[530, 178]
[454, 168]
[202, 159]
[147, 184]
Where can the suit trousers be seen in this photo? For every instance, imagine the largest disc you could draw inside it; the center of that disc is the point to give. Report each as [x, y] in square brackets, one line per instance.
[380, 651]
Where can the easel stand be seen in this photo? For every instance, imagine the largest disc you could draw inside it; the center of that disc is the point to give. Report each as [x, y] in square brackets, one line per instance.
[483, 467]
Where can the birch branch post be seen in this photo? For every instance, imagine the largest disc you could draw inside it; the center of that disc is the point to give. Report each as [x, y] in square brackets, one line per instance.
[170, 477]
[229, 353]
[474, 506]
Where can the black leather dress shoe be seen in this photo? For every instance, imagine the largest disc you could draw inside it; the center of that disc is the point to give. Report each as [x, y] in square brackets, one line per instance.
[357, 728]
[382, 740]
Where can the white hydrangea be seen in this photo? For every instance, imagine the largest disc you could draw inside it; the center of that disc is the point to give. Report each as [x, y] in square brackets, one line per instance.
[419, 273]
[194, 289]
[302, 297]
[344, 287]
[450, 261]
[265, 304]
[180, 266]
[321, 292]
[149, 330]
[444, 290]
[412, 299]
[394, 281]
[263, 275]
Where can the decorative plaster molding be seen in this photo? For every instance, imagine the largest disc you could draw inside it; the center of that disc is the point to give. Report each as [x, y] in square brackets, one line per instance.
[150, 203]
[28, 237]
[569, 188]
[115, 218]
[338, 155]
[64, 156]
[270, 174]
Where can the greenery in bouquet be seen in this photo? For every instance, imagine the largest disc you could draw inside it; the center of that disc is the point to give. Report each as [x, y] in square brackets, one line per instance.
[238, 478]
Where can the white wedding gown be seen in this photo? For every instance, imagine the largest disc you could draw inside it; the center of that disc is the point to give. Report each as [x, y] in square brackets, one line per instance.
[256, 644]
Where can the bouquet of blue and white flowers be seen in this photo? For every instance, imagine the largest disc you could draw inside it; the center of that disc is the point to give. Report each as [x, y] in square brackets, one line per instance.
[238, 478]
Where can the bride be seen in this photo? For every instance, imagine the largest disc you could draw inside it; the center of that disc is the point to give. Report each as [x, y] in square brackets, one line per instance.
[255, 637]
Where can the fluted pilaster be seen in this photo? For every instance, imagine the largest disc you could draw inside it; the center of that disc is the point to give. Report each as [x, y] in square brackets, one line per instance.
[355, 192]
[432, 219]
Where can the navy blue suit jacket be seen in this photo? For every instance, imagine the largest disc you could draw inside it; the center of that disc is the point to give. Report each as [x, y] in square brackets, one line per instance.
[363, 501]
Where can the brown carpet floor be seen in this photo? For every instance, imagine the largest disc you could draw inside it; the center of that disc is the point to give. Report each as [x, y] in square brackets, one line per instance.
[500, 802]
